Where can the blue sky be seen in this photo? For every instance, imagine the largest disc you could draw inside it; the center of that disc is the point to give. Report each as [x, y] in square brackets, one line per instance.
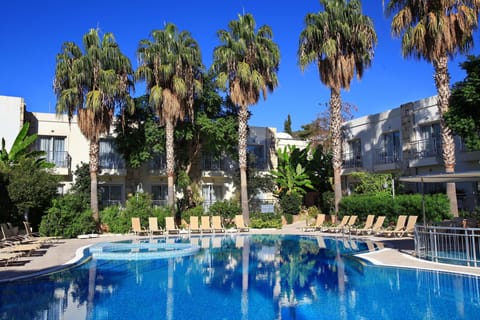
[32, 33]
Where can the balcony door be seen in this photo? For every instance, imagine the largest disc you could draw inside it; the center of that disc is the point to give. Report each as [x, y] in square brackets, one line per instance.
[54, 147]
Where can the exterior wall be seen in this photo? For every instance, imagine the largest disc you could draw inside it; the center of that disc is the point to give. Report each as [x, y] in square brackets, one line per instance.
[12, 110]
[263, 142]
[419, 146]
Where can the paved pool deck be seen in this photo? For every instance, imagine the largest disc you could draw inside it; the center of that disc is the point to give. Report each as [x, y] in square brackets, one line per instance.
[396, 252]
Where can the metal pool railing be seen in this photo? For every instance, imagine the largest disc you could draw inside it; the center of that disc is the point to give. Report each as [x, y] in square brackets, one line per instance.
[454, 245]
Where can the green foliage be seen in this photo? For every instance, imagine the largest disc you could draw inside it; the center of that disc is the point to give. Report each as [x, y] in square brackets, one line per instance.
[119, 220]
[287, 125]
[328, 202]
[436, 206]
[68, 218]
[31, 189]
[265, 220]
[197, 211]
[288, 218]
[290, 176]
[290, 203]
[313, 211]
[227, 209]
[372, 183]
[81, 186]
[463, 117]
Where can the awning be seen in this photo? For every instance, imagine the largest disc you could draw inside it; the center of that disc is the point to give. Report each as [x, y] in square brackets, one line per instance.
[444, 177]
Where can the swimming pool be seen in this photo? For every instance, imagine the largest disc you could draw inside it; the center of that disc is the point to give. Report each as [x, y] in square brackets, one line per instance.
[244, 277]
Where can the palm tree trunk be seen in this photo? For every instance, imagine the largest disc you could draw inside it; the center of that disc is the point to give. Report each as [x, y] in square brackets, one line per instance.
[170, 162]
[442, 82]
[93, 154]
[242, 159]
[335, 133]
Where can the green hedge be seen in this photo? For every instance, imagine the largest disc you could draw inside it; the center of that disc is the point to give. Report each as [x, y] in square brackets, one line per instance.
[436, 206]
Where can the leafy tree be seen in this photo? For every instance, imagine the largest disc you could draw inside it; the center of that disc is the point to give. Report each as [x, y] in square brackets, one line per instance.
[287, 125]
[81, 186]
[31, 190]
[341, 41]
[171, 67]
[435, 30]
[92, 85]
[247, 62]
[372, 183]
[463, 116]
[290, 176]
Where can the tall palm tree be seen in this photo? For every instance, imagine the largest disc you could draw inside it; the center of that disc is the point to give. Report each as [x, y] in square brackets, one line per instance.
[436, 30]
[93, 84]
[247, 62]
[171, 66]
[341, 41]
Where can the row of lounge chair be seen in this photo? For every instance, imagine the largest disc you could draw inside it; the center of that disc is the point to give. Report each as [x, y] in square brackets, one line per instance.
[205, 225]
[405, 226]
[15, 245]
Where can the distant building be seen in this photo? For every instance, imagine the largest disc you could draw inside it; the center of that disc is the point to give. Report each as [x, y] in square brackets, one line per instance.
[66, 147]
[405, 141]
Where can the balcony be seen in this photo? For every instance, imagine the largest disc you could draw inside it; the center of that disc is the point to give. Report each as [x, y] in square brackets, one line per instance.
[61, 160]
[352, 160]
[217, 167]
[158, 166]
[386, 160]
[425, 152]
[112, 164]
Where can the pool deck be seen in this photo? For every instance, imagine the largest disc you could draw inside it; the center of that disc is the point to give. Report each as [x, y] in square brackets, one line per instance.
[64, 252]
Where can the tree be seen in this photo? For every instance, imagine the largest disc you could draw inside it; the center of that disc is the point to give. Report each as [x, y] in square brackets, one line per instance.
[287, 125]
[341, 41]
[463, 116]
[93, 85]
[435, 30]
[247, 63]
[171, 66]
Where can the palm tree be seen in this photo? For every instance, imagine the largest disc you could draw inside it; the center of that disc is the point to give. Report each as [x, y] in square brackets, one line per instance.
[93, 84]
[436, 30]
[341, 41]
[247, 61]
[171, 66]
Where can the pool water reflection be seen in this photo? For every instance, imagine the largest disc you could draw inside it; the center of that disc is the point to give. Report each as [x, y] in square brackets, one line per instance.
[245, 277]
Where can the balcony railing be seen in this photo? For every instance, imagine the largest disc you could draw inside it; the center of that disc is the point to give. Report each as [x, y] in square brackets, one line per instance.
[61, 159]
[221, 164]
[425, 148]
[352, 160]
[454, 245]
[383, 156]
[111, 161]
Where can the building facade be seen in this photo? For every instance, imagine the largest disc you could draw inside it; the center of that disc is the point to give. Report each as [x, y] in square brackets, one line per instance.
[405, 141]
[67, 148]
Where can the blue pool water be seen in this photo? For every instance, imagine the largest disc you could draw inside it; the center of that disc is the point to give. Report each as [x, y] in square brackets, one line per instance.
[243, 277]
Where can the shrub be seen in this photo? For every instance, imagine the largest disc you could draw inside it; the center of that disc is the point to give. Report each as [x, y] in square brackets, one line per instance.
[195, 211]
[288, 218]
[313, 211]
[67, 218]
[226, 209]
[290, 203]
[265, 220]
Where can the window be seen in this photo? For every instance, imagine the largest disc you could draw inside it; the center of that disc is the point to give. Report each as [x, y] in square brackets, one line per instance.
[431, 142]
[158, 162]
[54, 148]
[211, 194]
[256, 156]
[110, 195]
[353, 155]
[390, 147]
[160, 195]
[109, 158]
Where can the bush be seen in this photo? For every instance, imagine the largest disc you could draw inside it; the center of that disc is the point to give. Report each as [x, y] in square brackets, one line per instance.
[436, 206]
[227, 210]
[288, 218]
[195, 211]
[265, 220]
[119, 220]
[313, 211]
[290, 203]
[67, 218]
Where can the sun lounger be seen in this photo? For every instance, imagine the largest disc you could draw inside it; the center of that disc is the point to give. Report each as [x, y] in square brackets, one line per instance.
[153, 226]
[350, 224]
[341, 225]
[239, 223]
[409, 228]
[217, 224]
[367, 226]
[402, 219]
[137, 228]
[35, 236]
[170, 227]
[319, 221]
[194, 227]
[205, 224]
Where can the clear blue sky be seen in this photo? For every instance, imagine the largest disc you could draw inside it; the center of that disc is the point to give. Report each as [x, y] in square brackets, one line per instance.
[32, 33]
